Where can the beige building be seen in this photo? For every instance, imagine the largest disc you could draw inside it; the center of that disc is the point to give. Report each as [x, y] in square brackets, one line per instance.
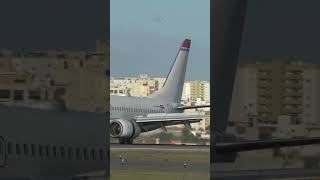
[76, 78]
[141, 86]
[193, 90]
[18, 89]
[265, 91]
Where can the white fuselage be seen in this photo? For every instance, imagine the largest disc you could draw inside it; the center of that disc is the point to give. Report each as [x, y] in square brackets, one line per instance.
[124, 107]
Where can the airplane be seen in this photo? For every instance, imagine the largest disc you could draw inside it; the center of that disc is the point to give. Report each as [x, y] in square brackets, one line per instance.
[52, 144]
[131, 116]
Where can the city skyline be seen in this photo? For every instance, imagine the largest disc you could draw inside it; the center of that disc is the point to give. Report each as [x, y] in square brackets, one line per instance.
[151, 77]
[143, 86]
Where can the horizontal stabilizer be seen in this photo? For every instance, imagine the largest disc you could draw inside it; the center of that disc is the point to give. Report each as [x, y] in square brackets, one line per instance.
[192, 107]
[263, 144]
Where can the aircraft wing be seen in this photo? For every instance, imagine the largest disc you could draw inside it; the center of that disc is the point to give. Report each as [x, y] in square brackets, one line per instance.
[192, 107]
[170, 119]
[263, 144]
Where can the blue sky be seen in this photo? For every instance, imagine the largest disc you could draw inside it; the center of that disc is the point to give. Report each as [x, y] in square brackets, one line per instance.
[146, 35]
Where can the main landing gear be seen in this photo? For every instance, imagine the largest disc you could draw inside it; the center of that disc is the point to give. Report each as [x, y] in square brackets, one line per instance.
[125, 141]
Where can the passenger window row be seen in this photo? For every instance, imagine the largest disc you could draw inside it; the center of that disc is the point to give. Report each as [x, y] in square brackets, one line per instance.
[54, 152]
[136, 110]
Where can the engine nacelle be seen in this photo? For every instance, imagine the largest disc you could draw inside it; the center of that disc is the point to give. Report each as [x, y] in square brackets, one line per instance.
[121, 128]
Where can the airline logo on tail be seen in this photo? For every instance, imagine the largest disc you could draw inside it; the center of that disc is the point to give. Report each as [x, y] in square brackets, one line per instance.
[186, 45]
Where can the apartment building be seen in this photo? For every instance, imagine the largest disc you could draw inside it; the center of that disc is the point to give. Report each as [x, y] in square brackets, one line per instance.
[265, 91]
[311, 95]
[196, 89]
[77, 78]
[141, 86]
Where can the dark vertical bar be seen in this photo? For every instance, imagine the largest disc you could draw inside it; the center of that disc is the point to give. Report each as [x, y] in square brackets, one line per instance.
[227, 22]
[107, 73]
[227, 19]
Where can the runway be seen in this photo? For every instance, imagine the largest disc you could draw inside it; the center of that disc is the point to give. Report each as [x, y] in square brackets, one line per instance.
[288, 173]
[160, 147]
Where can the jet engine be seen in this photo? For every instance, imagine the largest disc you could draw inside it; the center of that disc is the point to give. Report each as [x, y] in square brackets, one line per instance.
[123, 128]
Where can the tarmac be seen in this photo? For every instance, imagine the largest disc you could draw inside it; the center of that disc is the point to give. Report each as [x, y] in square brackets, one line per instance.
[262, 165]
[287, 173]
[159, 147]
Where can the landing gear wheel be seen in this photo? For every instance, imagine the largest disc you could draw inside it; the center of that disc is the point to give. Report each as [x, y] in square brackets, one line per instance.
[125, 141]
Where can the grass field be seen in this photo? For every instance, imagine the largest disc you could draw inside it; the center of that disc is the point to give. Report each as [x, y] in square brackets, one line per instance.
[159, 172]
[199, 157]
[139, 174]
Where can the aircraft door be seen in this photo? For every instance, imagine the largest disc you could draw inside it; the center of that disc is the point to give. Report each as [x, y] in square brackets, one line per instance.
[3, 153]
